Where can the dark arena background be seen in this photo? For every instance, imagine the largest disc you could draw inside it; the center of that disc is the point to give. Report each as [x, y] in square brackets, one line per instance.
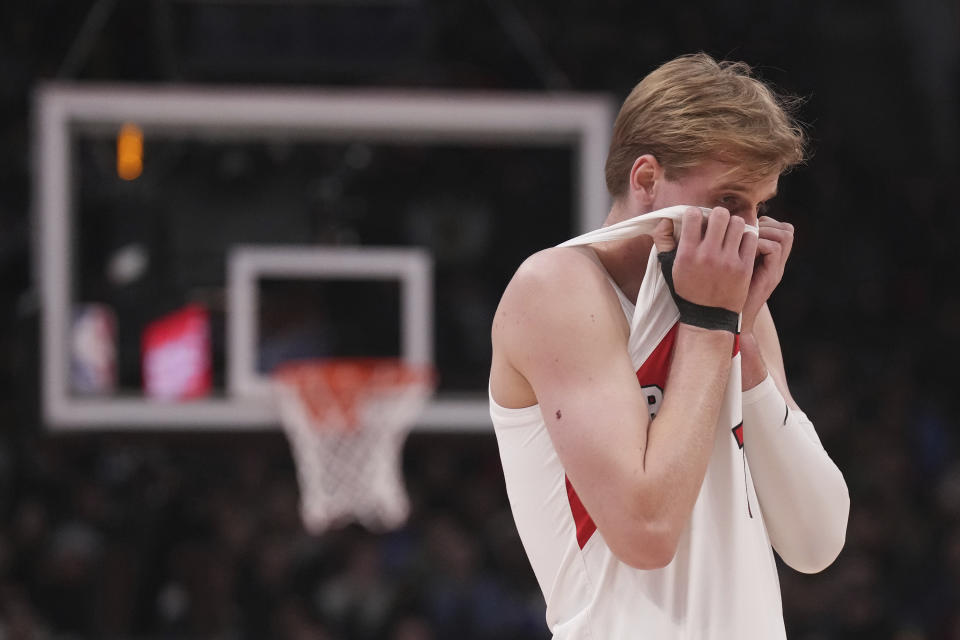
[148, 529]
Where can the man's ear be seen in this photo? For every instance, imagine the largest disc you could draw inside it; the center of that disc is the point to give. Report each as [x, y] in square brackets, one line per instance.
[644, 176]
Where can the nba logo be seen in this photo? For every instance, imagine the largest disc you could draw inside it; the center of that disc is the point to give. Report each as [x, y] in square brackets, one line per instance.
[176, 355]
[93, 350]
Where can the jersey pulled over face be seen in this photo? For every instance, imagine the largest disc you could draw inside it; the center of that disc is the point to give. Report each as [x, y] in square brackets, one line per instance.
[716, 184]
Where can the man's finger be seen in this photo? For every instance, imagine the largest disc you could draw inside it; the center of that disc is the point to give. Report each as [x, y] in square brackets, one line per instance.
[716, 227]
[767, 221]
[663, 236]
[748, 247]
[767, 247]
[734, 235]
[782, 237]
[690, 232]
[777, 234]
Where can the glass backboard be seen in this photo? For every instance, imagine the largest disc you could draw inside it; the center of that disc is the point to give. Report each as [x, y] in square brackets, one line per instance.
[464, 187]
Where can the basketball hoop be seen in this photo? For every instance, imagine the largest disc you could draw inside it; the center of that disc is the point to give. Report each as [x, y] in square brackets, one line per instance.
[347, 420]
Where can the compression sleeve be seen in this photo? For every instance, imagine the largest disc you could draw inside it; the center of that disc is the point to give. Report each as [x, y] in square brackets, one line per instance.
[803, 495]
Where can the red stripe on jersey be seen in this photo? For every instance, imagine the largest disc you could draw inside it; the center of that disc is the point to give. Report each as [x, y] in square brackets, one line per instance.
[655, 368]
[652, 372]
[581, 518]
[736, 344]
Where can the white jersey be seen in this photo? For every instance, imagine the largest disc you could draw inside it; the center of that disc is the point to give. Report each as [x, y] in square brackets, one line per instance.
[721, 584]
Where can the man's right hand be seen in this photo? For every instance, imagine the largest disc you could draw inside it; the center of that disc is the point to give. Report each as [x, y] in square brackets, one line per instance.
[713, 267]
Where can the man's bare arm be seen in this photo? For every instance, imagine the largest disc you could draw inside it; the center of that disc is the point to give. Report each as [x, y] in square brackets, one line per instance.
[560, 326]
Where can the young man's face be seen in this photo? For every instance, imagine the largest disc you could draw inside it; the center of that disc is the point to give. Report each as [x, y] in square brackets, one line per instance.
[712, 184]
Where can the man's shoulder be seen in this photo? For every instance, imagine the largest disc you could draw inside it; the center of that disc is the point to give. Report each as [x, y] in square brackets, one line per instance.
[559, 267]
[558, 283]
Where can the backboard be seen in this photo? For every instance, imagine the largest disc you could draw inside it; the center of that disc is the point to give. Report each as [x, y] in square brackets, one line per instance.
[407, 211]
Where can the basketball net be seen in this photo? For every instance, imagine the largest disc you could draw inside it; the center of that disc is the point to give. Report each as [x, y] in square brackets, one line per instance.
[347, 420]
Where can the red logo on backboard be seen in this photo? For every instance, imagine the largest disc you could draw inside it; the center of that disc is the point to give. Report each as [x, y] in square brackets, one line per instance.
[176, 355]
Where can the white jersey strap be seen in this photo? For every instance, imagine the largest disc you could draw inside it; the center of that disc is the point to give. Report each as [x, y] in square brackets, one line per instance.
[654, 297]
[640, 225]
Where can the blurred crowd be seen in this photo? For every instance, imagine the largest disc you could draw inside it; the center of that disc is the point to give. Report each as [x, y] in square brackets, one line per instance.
[197, 536]
[203, 540]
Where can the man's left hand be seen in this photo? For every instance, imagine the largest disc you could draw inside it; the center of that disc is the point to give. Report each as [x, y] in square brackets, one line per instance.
[776, 241]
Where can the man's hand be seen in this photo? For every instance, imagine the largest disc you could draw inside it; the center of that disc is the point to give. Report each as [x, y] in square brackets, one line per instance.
[713, 267]
[776, 241]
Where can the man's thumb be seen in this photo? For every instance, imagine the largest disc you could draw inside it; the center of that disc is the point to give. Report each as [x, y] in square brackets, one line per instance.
[663, 236]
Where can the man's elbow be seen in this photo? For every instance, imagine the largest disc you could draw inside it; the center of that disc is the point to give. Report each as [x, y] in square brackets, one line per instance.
[648, 547]
[822, 544]
[814, 559]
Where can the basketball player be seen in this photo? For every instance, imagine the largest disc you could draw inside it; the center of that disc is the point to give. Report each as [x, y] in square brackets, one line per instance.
[651, 449]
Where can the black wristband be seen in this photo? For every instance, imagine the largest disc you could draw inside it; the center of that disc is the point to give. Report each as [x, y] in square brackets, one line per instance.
[697, 315]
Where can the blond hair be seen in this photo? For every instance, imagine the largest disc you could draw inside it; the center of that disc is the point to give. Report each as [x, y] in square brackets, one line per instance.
[694, 108]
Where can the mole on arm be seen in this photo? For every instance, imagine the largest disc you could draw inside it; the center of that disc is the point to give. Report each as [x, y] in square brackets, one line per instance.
[559, 415]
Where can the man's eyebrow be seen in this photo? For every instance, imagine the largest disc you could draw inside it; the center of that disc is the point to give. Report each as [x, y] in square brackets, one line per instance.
[737, 187]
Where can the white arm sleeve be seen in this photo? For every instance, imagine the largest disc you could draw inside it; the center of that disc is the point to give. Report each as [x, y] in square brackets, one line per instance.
[803, 495]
